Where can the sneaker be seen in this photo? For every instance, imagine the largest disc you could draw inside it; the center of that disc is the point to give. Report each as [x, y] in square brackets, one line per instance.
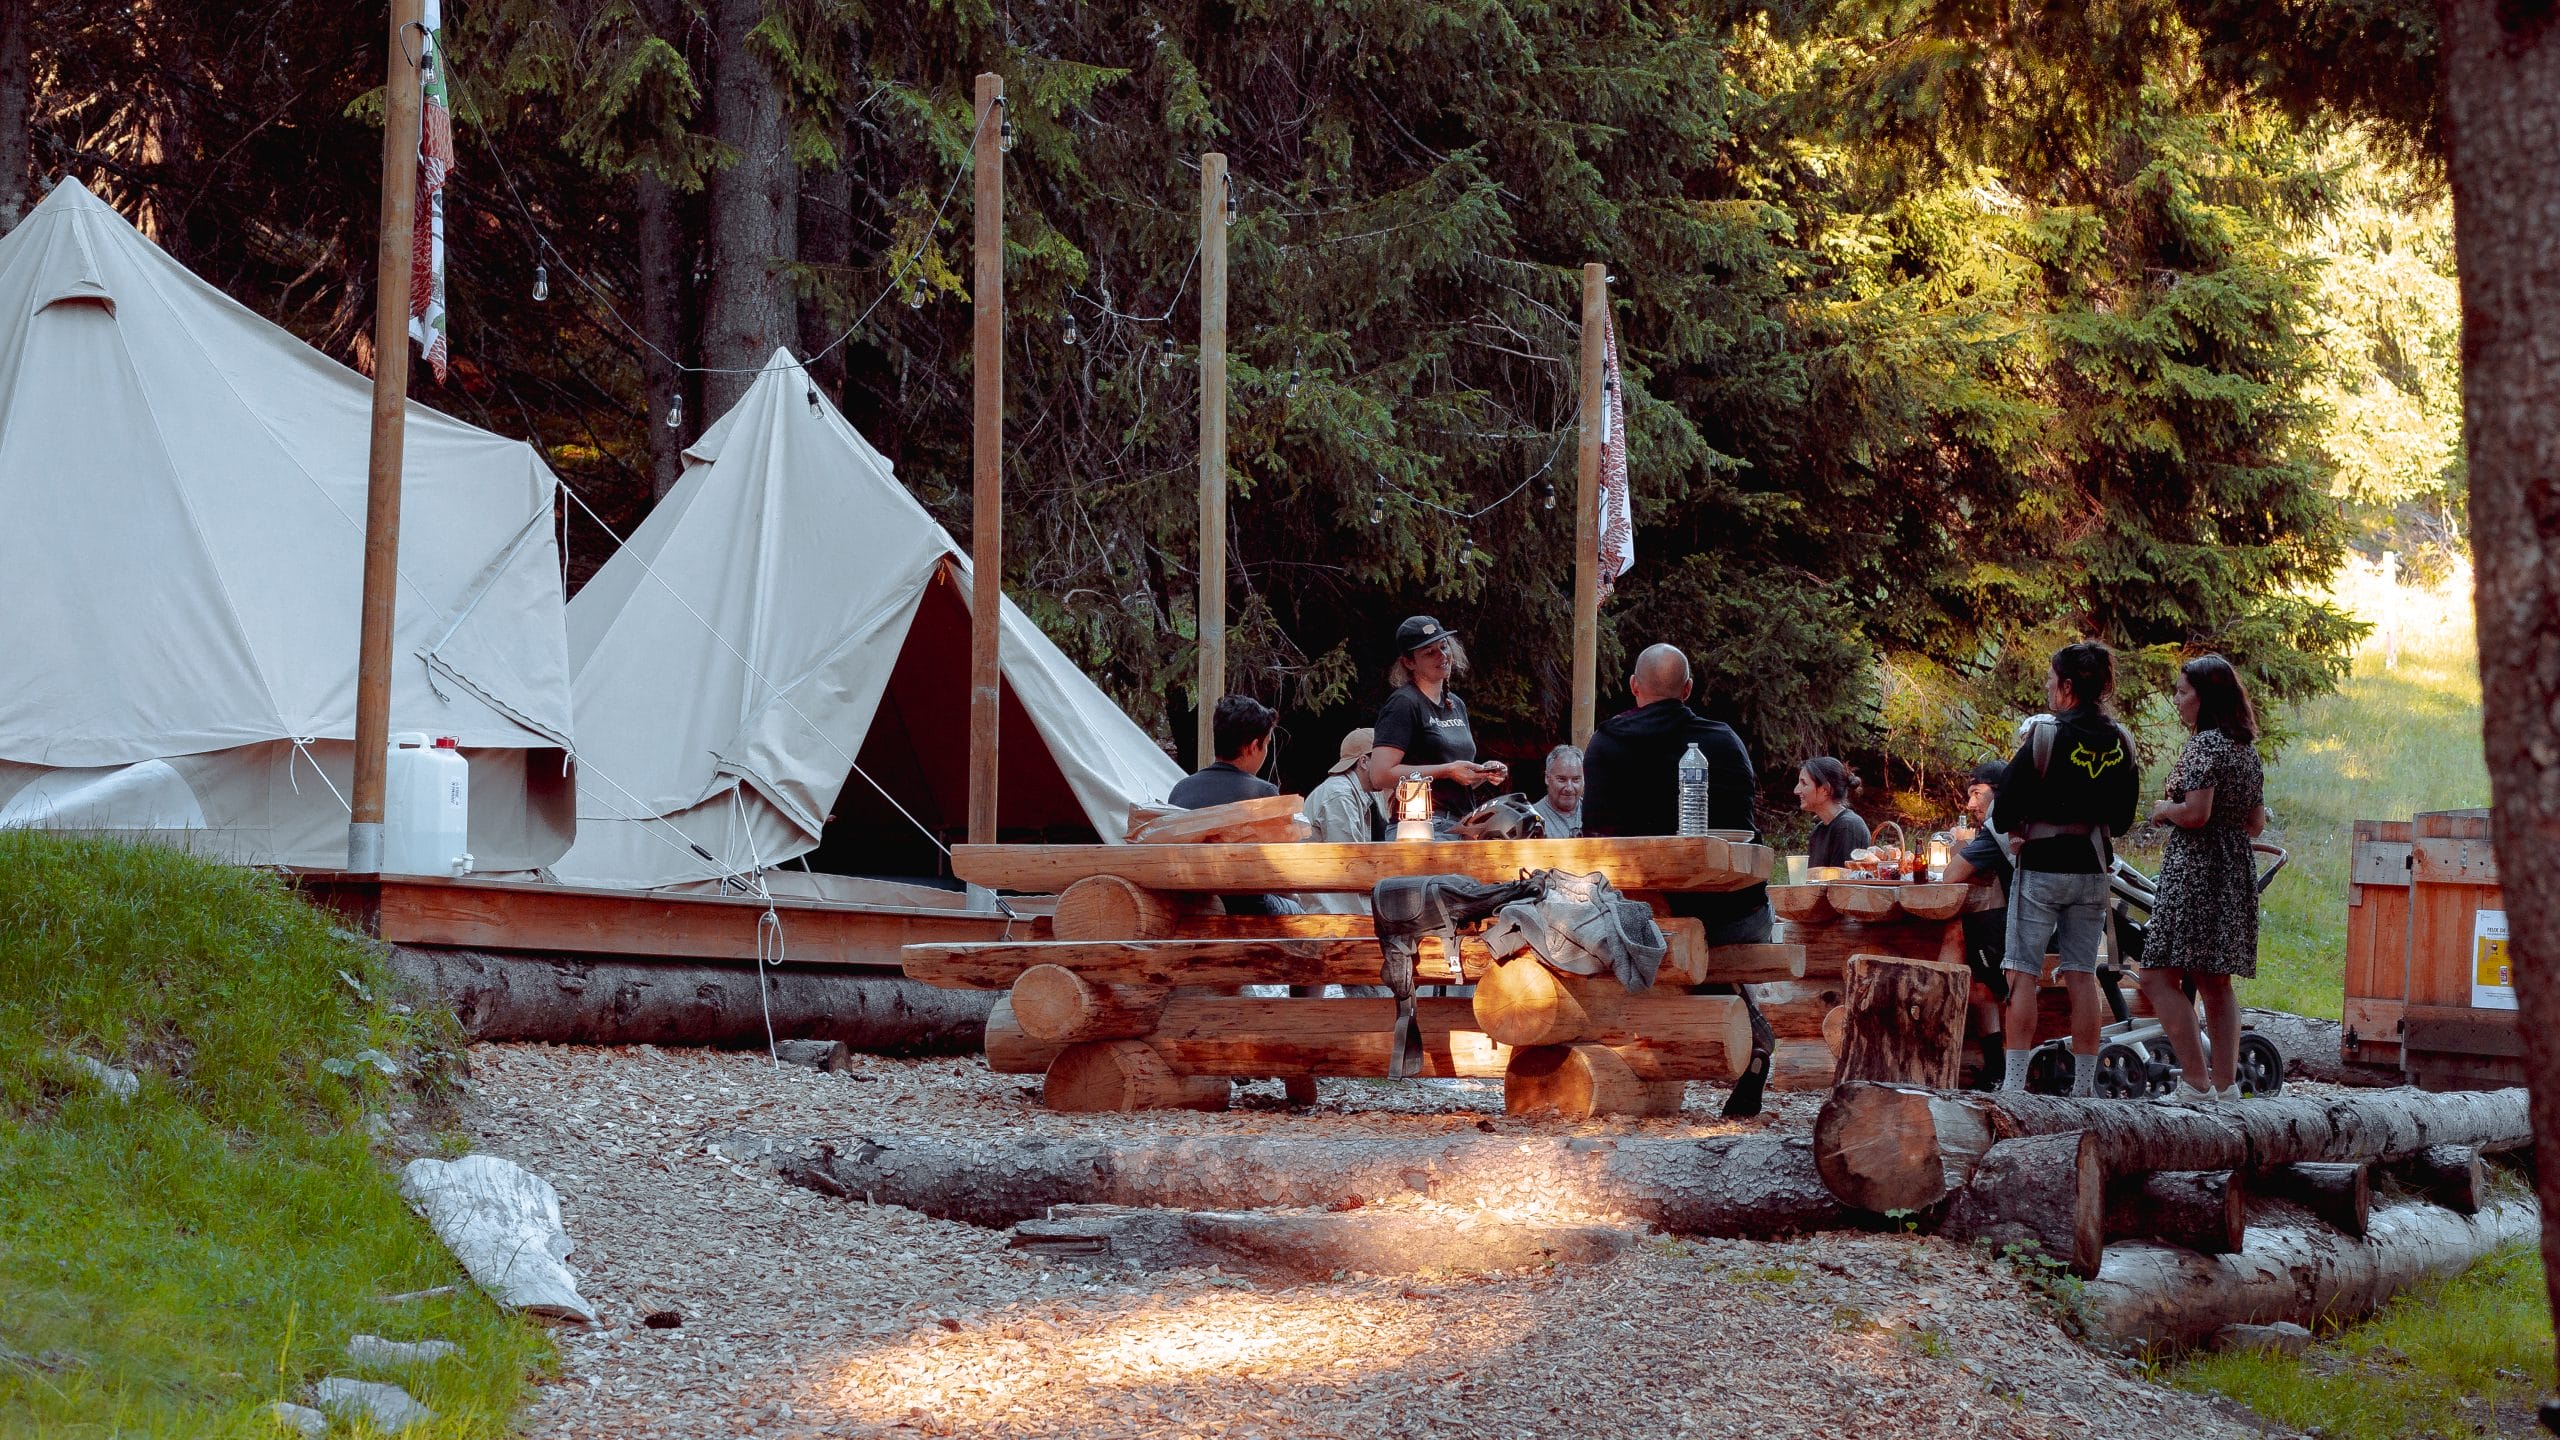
[2182, 1093]
[2230, 1092]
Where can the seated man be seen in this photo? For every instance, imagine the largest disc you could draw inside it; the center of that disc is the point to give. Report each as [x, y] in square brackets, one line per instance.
[1562, 807]
[1241, 729]
[1631, 785]
[1979, 859]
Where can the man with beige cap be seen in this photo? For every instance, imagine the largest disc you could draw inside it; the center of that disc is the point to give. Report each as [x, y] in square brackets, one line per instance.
[1342, 807]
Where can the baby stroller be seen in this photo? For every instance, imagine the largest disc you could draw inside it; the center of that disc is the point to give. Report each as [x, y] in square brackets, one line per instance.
[2134, 1058]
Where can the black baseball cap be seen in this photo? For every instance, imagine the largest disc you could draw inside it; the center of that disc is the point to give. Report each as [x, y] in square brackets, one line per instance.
[1418, 631]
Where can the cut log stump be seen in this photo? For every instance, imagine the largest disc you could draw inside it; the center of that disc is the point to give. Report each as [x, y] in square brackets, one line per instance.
[1578, 1082]
[2199, 1209]
[2450, 1175]
[2340, 1192]
[1053, 1003]
[1906, 1021]
[1112, 1075]
[2041, 1190]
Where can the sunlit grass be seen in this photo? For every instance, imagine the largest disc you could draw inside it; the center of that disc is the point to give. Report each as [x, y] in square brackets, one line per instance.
[180, 1259]
[2453, 1357]
[2401, 736]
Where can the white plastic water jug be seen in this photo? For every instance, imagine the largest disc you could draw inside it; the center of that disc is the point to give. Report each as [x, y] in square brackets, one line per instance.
[426, 808]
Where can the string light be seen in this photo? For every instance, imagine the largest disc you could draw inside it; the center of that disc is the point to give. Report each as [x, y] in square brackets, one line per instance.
[915, 298]
[1378, 503]
[1297, 375]
[675, 412]
[1004, 134]
[1232, 208]
[1546, 495]
[1070, 334]
[1466, 552]
[1164, 354]
[813, 399]
[541, 284]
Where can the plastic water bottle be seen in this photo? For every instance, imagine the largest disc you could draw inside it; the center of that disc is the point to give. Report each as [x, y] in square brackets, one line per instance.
[1693, 792]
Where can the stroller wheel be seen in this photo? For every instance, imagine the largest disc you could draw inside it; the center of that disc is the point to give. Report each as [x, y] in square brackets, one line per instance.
[2260, 1067]
[2049, 1068]
[2122, 1073]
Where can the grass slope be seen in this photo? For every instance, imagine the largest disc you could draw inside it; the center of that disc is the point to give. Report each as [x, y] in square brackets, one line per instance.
[2464, 1356]
[210, 1245]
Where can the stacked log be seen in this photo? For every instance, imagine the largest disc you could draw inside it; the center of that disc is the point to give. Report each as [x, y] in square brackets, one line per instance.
[1905, 1020]
[1577, 1082]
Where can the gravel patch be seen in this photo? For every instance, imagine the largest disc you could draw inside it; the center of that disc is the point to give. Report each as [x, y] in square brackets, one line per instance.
[799, 1315]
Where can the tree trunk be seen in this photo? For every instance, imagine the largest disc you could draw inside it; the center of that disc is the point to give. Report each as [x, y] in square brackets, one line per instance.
[826, 240]
[2341, 1194]
[2168, 1298]
[17, 88]
[1906, 1021]
[1909, 1147]
[2501, 66]
[1728, 1185]
[661, 247]
[2044, 1190]
[577, 1001]
[1295, 1248]
[748, 309]
[2202, 1210]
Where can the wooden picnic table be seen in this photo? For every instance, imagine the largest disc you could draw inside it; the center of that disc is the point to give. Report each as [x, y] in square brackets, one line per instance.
[1124, 1009]
[1664, 863]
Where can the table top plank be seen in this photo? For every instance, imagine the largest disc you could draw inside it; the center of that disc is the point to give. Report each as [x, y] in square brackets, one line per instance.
[1657, 862]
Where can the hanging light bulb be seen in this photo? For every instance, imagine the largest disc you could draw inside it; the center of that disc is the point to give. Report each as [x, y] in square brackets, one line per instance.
[1232, 208]
[1466, 552]
[813, 399]
[1378, 504]
[1070, 334]
[915, 298]
[1297, 376]
[1164, 354]
[675, 412]
[1546, 495]
[1004, 133]
[541, 284]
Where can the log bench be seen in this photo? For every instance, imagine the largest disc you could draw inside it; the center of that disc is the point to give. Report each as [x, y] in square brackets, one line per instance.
[1133, 1004]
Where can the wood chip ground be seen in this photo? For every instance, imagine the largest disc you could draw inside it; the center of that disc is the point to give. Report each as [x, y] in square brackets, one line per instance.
[807, 1316]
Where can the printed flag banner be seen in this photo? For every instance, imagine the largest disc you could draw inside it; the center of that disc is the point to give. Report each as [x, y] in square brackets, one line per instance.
[1617, 507]
[435, 163]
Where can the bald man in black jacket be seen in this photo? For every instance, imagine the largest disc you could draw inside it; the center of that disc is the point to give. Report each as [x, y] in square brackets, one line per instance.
[1631, 784]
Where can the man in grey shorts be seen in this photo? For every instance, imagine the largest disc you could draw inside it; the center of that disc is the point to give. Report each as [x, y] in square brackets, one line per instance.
[2073, 785]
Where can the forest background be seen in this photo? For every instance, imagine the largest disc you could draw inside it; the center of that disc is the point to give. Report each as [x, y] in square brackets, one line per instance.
[1951, 333]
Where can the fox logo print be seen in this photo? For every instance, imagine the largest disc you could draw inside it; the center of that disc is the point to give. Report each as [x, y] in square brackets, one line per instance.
[2096, 763]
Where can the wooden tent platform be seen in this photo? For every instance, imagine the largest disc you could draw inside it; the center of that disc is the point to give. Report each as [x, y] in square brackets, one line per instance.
[519, 916]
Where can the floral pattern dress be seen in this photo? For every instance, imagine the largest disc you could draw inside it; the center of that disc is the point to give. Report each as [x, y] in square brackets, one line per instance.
[2206, 919]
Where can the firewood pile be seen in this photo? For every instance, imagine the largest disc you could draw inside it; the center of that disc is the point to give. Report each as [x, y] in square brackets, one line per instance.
[1135, 1003]
[2140, 1193]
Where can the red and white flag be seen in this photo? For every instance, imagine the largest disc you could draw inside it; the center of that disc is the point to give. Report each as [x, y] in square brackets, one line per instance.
[1617, 506]
[435, 164]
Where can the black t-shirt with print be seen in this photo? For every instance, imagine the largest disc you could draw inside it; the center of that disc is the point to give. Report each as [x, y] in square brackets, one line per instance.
[1428, 735]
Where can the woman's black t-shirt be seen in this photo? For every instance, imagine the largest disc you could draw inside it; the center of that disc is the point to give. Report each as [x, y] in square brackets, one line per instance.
[1429, 734]
[1834, 838]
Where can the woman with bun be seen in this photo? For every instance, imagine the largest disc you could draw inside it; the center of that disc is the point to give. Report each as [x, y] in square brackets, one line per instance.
[1823, 786]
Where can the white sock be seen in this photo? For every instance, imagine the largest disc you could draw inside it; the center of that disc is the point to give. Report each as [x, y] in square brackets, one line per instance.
[2084, 1074]
[2014, 1077]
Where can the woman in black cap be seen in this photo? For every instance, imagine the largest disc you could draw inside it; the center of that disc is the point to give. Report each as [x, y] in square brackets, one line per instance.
[1422, 729]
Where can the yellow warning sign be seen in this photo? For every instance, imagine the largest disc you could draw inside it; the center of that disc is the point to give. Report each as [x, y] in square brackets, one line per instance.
[2493, 981]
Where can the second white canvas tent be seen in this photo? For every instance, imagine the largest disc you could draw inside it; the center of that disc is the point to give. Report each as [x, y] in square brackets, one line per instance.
[787, 611]
[182, 500]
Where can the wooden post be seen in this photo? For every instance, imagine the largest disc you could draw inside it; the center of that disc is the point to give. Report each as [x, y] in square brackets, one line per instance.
[1586, 505]
[1213, 446]
[986, 466]
[404, 99]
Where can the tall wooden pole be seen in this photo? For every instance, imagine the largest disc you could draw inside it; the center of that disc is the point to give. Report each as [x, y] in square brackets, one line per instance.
[1213, 446]
[404, 99]
[986, 468]
[1586, 505]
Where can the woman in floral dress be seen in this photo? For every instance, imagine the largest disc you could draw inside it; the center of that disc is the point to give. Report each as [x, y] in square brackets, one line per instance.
[2204, 927]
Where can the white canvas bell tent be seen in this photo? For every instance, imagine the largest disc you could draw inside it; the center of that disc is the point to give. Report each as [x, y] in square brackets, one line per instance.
[182, 500]
[787, 612]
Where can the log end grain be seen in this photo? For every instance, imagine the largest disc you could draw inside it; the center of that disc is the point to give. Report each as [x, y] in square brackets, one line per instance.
[1801, 904]
[1051, 1002]
[1578, 1082]
[1877, 1148]
[2045, 1191]
[1522, 1002]
[1116, 1075]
